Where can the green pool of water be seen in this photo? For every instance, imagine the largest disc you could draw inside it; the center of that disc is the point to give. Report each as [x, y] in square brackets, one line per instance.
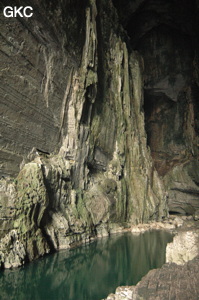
[88, 272]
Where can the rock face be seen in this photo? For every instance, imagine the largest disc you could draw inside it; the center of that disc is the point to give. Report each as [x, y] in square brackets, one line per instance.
[74, 155]
[183, 248]
[182, 183]
[166, 34]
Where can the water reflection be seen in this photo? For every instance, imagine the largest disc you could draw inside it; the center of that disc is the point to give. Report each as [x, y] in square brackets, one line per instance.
[89, 272]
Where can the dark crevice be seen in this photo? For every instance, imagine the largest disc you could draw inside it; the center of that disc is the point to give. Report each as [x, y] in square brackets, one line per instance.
[176, 213]
[100, 70]
[87, 107]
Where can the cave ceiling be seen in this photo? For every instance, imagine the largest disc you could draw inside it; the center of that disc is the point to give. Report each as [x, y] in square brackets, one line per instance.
[165, 33]
[141, 16]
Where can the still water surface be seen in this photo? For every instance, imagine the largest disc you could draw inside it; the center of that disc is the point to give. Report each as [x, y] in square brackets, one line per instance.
[88, 272]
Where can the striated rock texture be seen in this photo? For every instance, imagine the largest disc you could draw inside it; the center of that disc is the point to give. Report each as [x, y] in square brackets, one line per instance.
[166, 34]
[74, 157]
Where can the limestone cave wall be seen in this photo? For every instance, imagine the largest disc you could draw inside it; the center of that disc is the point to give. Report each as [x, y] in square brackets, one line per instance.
[99, 126]
[166, 35]
[74, 157]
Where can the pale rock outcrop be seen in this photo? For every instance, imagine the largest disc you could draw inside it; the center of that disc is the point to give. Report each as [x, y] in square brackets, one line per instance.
[196, 215]
[185, 247]
[15, 254]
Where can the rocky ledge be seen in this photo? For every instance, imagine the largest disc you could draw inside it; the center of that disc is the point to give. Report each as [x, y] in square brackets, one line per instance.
[177, 279]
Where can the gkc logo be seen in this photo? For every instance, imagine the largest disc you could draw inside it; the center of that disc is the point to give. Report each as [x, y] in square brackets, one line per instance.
[13, 12]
